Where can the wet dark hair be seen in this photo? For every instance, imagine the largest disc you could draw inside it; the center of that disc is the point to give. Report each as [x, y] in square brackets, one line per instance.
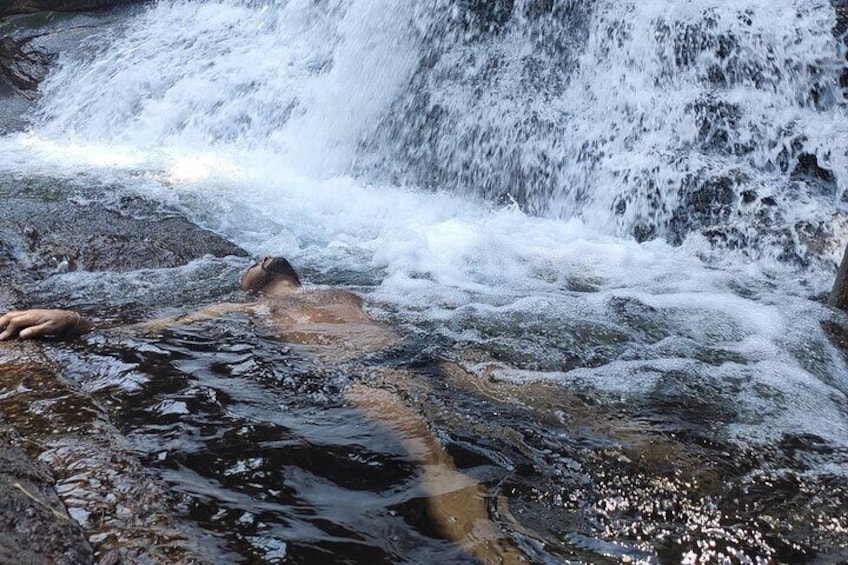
[281, 266]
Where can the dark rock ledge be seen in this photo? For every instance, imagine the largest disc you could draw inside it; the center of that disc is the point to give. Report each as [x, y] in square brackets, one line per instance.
[45, 237]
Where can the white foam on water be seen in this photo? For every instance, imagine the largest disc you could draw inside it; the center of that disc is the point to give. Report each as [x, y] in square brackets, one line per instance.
[250, 115]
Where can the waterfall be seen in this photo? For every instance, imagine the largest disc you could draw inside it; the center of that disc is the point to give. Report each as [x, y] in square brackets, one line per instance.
[300, 78]
[651, 119]
[658, 119]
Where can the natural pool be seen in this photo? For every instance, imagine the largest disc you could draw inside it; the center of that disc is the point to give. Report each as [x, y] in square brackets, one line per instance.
[604, 230]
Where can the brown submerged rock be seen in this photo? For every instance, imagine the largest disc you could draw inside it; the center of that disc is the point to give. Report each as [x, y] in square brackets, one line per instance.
[34, 525]
[124, 512]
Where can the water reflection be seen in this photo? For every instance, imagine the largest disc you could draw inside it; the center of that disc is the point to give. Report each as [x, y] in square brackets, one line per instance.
[266, 459]
[262, 451]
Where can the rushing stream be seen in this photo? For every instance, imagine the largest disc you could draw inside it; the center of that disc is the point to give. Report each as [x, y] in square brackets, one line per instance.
[604, 229]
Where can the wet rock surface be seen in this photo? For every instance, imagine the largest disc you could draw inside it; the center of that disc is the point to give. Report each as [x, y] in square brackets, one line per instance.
[48, 428]
[110, 498]
[44, 231]
[31, 6]
[90, 238]
[30, 510]
[13, 109]
[22, 65]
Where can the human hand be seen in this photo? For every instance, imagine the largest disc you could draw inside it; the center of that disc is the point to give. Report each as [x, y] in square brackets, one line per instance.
[26, 324]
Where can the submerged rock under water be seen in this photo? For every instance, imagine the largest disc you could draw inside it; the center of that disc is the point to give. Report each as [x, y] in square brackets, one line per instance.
[656, 483]
[122, 509]
[36, 526]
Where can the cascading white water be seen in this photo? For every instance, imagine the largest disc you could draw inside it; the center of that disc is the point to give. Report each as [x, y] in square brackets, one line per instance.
[312, 129]
[297, 79]
[655, 118]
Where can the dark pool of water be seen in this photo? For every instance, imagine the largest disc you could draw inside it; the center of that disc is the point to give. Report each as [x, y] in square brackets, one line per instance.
[269, 462]
[263, 453]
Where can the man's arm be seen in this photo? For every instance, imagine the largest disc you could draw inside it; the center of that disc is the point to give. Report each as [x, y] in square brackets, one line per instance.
[27, 324]
[214, 311]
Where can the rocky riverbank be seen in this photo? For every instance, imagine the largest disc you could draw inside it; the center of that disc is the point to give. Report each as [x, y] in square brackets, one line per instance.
[54, 437]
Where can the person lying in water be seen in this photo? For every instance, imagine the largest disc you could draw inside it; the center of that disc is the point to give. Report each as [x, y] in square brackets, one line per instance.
[332, 324]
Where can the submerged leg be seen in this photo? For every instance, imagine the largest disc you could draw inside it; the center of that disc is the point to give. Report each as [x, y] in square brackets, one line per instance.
[456, 502]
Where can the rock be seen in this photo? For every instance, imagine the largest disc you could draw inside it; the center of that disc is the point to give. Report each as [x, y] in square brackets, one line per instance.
[45, 233]
[108, 496]
[810, 171]
[718, 121]
[839, 295]
[839, 31]
[13, 107]
[704, 203]
[841, 7]
[482, 16]
[116, 504]
[32, 6]
[34, 526]
[21, 64]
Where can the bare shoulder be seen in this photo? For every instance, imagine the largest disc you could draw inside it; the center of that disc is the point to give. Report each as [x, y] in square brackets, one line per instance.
[329, 296]
[317, 305]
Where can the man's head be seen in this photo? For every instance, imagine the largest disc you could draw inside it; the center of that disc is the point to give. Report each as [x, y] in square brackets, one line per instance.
[267, 271]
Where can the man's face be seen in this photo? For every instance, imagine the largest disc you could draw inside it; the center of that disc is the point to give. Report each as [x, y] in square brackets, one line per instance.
[255, 277]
